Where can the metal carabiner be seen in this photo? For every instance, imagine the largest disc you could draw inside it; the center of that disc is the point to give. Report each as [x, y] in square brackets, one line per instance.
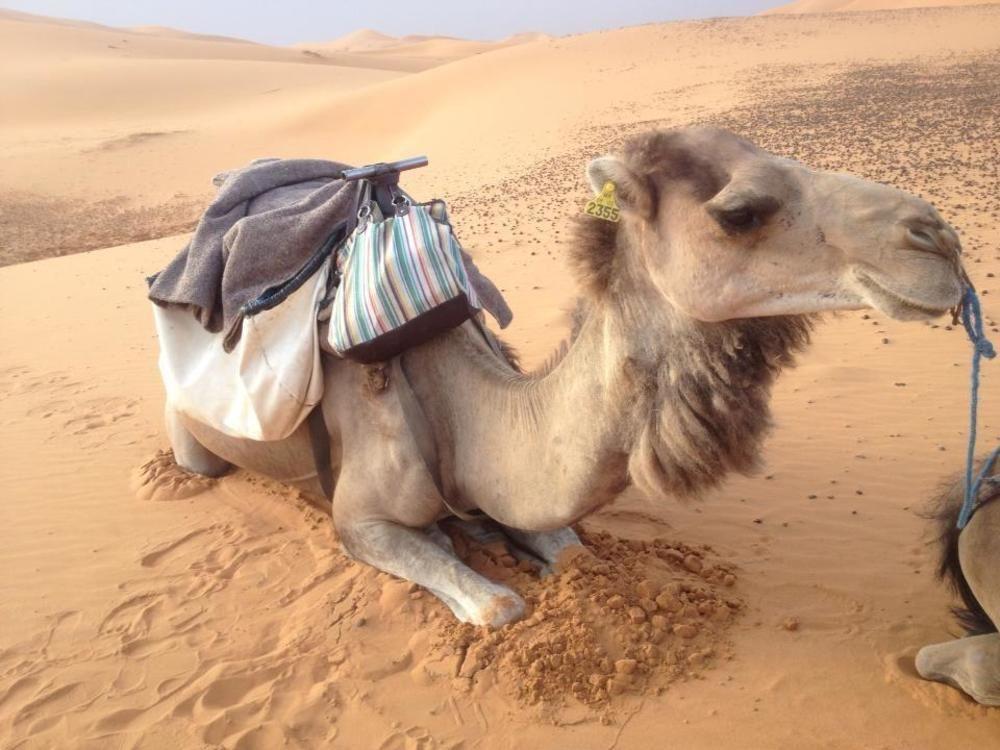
[400, 202]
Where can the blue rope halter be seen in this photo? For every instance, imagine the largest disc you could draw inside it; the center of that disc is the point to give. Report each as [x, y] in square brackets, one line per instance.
[972, 320]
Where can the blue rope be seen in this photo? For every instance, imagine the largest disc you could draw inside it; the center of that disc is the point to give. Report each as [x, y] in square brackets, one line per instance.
[972, 320]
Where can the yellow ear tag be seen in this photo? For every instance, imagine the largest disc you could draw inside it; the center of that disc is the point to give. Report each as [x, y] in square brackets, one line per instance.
[604, 206]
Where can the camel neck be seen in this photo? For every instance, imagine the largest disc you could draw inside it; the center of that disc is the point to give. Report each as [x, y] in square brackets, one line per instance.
[639, 396]
[533, 451]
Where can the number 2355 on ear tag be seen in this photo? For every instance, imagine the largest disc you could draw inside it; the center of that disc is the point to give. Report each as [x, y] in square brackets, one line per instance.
[604, 206]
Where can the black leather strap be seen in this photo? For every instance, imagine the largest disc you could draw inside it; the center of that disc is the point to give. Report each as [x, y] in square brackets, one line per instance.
[416, 422]
[319, 437]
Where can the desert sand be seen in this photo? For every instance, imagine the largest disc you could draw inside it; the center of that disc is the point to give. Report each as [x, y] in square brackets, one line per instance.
[222, 614]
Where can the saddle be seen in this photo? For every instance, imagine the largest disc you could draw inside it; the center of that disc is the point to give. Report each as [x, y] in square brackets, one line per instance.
[297, 258]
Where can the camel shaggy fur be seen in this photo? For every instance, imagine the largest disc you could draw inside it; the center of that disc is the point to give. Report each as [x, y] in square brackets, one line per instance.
[692, 304]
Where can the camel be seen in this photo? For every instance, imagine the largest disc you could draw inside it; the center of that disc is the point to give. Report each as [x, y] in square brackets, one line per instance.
[691, 305]
[970, 562]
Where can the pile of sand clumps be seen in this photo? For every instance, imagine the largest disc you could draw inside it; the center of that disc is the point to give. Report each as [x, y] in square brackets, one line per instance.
[621, 616]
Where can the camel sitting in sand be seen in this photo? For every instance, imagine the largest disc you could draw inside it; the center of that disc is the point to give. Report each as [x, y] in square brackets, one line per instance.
[970, 561]
[692, 304]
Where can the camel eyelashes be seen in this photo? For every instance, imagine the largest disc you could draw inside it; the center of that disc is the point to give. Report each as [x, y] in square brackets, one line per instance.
[744, 216]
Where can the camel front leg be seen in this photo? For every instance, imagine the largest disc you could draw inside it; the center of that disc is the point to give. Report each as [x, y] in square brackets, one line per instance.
[370, 521]
[189, 454]
[971, 664]
[414, 555]
[541, 547]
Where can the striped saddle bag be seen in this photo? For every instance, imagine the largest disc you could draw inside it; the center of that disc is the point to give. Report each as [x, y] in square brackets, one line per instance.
[402, 282]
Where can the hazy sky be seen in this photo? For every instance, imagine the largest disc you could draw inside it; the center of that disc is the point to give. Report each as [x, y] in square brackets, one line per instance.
[286, 21]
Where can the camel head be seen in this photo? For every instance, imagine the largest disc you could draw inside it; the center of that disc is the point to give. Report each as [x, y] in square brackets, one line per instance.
[725, 230]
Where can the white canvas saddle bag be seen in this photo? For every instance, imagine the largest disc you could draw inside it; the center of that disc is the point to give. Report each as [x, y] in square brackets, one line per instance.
[267, 385]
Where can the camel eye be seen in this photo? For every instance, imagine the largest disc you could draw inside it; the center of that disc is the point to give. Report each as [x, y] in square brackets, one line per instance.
[746, 215]
[739, 218]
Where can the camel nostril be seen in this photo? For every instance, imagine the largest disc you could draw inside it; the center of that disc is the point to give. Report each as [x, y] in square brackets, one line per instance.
[925, 238]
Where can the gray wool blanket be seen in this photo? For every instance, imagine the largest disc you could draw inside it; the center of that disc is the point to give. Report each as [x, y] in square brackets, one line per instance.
[267, 230]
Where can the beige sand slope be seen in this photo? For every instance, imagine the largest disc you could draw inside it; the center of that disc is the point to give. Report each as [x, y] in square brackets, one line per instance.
[226, 618]
[14, 15]
[182, 34]
[839, 6]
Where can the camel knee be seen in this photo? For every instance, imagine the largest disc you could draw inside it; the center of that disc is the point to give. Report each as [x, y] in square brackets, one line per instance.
[188, 452]
[353, 541]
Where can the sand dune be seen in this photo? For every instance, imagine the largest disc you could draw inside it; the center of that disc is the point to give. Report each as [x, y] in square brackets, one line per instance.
[527, 36]
[839, 6]
[17, 15]
[221, 613]
[438, 48]
[86, 96]
[651, 69]
[415, 52]
[362, 40]
[28, 38]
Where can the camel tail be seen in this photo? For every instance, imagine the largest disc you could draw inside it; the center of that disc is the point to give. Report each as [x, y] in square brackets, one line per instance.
[943, 512]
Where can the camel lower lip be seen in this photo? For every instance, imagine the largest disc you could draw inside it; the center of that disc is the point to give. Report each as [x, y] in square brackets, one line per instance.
[869, 283]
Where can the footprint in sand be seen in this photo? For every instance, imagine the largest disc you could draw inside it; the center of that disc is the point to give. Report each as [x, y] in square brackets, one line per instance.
[176, 546]
[96, 414]
[261, 738]
[52, 702]
[161, 478]
[223, 703]
[131, 618]
[417, 738]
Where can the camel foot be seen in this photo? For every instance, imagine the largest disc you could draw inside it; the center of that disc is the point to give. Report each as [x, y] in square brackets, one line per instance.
[541, 548]
[486, 532]
[553, 547]
[504, 609]
[971, 664]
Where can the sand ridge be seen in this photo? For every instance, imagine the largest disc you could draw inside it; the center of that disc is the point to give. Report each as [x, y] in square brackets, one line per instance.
[228, 617]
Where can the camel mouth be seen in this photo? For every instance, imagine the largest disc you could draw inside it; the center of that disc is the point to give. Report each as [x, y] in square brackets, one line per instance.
[898, 305]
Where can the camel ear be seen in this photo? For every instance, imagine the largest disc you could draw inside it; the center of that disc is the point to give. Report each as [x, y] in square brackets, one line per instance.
[631, 190]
